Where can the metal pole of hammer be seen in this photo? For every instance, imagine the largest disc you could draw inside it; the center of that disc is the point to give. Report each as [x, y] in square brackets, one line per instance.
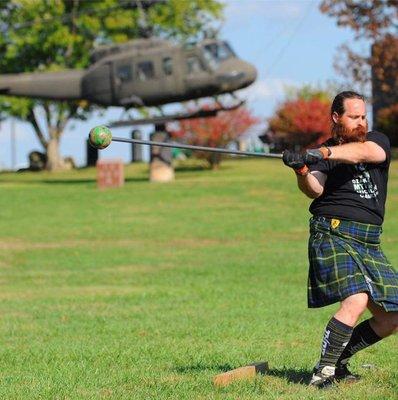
[196, 148]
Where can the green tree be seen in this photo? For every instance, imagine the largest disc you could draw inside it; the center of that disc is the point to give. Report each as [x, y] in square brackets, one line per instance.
[51, 35]
[309, 92]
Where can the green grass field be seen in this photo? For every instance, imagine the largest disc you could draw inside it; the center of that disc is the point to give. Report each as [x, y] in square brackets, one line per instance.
[148, 291]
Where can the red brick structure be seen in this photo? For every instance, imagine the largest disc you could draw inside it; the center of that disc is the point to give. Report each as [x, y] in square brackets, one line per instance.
[110, 173]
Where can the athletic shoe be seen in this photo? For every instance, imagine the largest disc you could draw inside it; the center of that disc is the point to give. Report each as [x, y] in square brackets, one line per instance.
[342, 373]
[323, 377]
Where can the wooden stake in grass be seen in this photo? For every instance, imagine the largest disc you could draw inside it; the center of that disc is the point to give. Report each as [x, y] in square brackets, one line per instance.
[247, 372]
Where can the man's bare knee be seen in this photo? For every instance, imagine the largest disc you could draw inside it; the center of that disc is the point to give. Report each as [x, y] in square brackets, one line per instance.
[395, 326]
[352, 308]
[383, 323]
[394, 322]
[385, 326]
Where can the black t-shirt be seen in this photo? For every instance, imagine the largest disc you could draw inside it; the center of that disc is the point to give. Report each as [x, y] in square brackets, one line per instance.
[355, 192]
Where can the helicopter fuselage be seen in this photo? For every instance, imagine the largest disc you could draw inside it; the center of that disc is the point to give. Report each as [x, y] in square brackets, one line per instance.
[143, 72]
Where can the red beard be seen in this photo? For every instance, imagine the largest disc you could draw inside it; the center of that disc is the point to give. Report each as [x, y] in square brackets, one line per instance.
[343, 135]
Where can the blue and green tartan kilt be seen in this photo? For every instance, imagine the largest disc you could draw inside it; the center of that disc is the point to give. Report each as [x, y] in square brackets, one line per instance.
[346, 258]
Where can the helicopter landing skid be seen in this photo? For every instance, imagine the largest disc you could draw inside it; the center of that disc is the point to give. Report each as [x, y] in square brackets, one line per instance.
[175, 117]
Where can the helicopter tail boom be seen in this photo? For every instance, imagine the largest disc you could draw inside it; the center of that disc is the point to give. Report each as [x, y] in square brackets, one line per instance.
[65, 85]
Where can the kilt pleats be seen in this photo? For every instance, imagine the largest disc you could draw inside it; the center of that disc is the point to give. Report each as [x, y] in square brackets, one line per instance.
[345, 259]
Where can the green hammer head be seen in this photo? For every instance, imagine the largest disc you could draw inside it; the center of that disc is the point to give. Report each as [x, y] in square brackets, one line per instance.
[100, 137]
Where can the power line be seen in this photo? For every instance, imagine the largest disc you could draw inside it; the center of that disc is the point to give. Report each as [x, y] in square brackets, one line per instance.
[291, 37]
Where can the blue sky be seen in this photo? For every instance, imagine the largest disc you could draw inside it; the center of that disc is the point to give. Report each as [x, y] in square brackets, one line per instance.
[290, 43]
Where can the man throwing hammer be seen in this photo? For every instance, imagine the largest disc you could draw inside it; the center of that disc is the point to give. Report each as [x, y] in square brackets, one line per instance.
[347, 177]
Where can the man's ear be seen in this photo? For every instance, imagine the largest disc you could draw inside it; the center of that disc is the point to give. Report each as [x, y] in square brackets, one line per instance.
[335, 117]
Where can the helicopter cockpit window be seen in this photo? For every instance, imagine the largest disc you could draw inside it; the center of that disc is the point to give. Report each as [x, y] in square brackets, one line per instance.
[194, 65]
[145, 71]
[124, 73]
[168, 66]
[215, 53]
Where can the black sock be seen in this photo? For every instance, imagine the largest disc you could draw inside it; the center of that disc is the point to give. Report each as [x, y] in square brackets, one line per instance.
[362, 337]
[336, 336]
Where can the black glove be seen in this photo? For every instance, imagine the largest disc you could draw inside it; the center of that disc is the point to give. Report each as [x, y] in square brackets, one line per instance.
[299, 161]
[313, 156]
[293, 159]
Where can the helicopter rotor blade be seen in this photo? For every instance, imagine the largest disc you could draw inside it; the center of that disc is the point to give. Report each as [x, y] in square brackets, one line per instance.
[164, 119]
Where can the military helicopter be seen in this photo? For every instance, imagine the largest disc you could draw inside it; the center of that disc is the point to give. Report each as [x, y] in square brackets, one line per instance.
[141, 72]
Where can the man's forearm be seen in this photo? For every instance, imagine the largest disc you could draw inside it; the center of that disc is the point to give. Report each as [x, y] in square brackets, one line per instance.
[354, 153]
[309, 185]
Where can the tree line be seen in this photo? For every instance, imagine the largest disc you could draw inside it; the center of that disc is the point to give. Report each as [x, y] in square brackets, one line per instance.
[51, 35]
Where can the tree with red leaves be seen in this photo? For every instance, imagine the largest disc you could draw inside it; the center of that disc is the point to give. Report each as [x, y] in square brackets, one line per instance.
[216, 131]
[387, 122]
[372, 19]
[301, 122]
[376, 21]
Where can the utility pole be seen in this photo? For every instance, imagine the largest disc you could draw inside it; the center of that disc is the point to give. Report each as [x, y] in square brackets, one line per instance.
[13, 145]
